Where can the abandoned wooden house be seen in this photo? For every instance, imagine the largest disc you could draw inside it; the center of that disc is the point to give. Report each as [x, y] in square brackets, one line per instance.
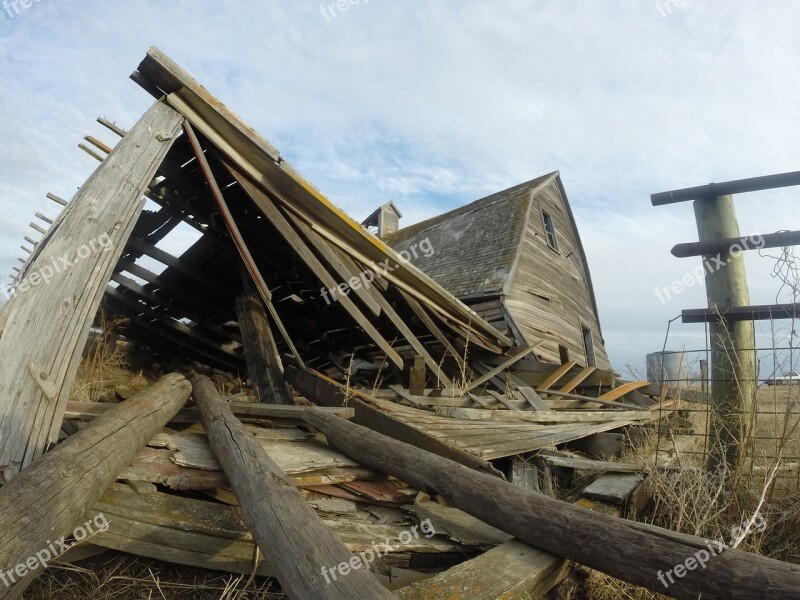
[377, 402]
[516, 259]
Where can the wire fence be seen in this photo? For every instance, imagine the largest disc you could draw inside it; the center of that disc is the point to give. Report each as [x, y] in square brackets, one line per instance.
[772, 426]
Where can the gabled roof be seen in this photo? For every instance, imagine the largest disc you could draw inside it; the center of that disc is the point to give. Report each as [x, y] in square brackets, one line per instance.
[474, 246]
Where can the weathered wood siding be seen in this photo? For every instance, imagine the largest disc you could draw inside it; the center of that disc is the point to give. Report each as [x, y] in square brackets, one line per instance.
[548, 294]
[46, 322]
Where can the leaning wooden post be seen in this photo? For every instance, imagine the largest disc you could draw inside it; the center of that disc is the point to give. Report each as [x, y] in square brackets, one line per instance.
[264, 367]
[50, 499]
[304, 553]
[45, 324]
[733, 368]
[643, 554]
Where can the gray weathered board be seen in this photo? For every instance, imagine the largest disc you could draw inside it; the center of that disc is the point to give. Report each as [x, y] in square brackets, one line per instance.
[45, 324]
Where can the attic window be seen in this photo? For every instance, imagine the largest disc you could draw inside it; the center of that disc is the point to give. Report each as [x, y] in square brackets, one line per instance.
[550, 230]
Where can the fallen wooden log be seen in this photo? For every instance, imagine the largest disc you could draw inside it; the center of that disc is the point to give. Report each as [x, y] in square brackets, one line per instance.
[264, 366]
[306, 556]
[42, 505]
[644, 555]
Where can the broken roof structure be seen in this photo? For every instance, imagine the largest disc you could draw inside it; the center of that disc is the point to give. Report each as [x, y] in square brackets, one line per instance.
[463, 372]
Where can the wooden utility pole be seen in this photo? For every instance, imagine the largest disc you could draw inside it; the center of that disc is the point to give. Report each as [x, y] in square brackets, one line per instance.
[304, 553]
[264, 366]
[51, 498]
[644, 555]
[733, 366]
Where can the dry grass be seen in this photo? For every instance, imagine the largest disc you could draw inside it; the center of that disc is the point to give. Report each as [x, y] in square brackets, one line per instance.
[691, 500]
[104, 368]
[119, 576]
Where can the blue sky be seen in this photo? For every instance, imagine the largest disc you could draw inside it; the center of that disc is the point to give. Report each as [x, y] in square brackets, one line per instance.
[434, 104]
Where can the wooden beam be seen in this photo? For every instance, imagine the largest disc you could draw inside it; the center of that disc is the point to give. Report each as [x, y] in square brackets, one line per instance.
[738, 186]
[35, 227]
[264, 367]
[48, 323]
[766, 240]
[52, 497]
[553, 416]
[514, 357]
[56, 199]
[625, 388]
[641, 551]
[305, 554]
[556, 375]
[176, 263]
[760, 312]
[435, 330]
[577, 380]
[238, 240]
[286, 230]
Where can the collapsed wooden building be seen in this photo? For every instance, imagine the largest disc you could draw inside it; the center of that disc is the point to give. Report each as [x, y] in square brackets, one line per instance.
[432, 375]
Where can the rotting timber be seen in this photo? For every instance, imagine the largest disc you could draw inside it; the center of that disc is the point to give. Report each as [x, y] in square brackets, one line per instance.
[484, 378]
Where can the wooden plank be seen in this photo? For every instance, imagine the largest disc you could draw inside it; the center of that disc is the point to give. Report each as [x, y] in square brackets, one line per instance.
[293, 539]
[600, 401]
[505, 401]
[513, 358]
[348, 273]
[176, 263]
[307, 256]
[33, 503]
[428, 401]
[533, 398]
[556, 375]
[572, 416]
[577, 380]
[616, 487]
[324, 391]
[587, 464]
[512, 571]
[47, 321]
[619, 392]
[292, 456]
[458, 525]
[434, 329]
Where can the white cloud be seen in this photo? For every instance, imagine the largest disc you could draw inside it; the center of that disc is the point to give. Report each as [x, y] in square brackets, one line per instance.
[436, 103]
